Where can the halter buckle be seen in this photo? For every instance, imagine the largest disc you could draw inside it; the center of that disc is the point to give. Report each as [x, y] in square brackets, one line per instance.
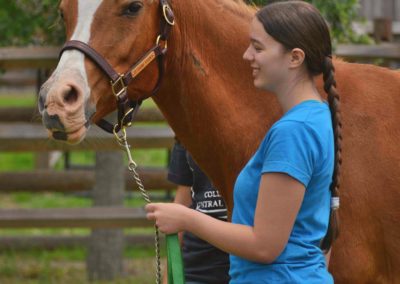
[168, 14]
[118, 86]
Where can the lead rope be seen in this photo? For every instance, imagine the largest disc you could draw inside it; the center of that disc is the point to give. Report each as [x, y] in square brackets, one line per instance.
[132, 166]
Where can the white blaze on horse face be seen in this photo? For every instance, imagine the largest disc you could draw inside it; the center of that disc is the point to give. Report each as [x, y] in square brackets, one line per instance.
[72, 62]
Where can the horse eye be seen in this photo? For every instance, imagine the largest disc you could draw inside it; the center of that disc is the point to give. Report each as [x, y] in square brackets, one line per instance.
[132, 9]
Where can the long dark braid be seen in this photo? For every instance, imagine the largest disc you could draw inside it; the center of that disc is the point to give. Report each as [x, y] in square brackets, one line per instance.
[334, 105]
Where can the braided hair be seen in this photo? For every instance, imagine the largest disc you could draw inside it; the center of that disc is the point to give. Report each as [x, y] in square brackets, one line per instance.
[334, 105]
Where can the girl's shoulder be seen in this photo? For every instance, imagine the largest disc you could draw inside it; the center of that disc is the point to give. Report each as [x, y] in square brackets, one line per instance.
[308, 116]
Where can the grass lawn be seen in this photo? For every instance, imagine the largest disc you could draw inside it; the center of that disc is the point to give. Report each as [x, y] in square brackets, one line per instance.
[68, 266]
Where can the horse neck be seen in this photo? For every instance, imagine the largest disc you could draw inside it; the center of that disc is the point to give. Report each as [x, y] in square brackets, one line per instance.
[208, 97]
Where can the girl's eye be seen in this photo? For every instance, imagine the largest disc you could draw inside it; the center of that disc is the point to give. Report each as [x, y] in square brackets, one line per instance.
[257, 48]
[132, 9]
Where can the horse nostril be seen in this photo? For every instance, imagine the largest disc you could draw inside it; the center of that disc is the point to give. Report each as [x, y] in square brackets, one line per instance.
[71, 96]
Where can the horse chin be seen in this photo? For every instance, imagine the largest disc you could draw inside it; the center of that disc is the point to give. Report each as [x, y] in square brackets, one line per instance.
[69, 137]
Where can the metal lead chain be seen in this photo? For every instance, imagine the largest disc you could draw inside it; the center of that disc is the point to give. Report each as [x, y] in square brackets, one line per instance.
[132, 166]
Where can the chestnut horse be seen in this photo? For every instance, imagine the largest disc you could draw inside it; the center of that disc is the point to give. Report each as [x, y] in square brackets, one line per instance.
[207, 97]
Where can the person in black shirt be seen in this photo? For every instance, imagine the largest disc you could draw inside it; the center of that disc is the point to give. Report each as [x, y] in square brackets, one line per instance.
[203, 263]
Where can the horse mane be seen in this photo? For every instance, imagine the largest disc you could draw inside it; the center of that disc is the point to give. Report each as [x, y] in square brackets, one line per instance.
[237, 7]
[226, 16]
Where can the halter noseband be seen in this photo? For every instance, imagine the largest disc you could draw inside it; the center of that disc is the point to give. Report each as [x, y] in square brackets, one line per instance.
[119, 82]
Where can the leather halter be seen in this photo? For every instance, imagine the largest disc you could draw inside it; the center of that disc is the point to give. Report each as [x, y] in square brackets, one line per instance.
[119, 82]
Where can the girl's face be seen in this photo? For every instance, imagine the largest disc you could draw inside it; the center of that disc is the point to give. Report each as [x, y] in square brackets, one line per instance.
[268, 58]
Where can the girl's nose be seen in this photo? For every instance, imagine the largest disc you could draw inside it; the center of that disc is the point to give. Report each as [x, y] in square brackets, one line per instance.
[247, 55]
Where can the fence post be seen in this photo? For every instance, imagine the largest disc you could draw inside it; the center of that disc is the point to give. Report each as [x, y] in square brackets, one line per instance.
[105, 249]
[383, 29]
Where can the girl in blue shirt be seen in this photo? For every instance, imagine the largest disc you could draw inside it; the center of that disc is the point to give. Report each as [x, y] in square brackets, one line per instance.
[285, 198]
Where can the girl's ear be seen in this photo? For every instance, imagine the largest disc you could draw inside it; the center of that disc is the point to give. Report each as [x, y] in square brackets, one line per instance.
[297, 57]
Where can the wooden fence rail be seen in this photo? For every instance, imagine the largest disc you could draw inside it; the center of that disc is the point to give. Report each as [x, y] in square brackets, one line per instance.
[69, 181]
[33, 137]
[95, 217]
[54, 242]
[386, 51]
[31, 114]
[16, 243]
[28, 57]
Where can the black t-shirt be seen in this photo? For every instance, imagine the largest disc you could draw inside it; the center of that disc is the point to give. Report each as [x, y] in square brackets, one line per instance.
[203, 262]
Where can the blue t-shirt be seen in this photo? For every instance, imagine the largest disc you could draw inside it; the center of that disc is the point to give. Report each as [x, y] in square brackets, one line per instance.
[300, 144]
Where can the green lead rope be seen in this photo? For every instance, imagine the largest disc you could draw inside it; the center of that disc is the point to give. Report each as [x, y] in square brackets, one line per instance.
[174, 258]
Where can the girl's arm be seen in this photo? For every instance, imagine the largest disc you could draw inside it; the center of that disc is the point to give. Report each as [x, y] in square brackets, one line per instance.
[279, 200]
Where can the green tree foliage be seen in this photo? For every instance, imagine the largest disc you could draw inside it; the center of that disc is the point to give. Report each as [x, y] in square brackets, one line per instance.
[36, 22]
[30, 22]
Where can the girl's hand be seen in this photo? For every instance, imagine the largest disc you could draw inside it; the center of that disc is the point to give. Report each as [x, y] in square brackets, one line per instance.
[170, 218]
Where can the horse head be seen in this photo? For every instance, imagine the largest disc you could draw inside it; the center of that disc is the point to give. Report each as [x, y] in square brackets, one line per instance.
[107, 41]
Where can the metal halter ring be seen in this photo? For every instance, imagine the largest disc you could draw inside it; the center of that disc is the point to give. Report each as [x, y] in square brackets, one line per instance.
[165, 42]
[168, 11]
